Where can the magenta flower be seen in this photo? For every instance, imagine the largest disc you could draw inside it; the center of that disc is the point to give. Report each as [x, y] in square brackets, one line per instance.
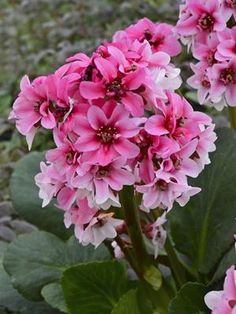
[160, 36]
[224, 302]
[105, 138]
[199, 16]
[117, 86]
[44, 102]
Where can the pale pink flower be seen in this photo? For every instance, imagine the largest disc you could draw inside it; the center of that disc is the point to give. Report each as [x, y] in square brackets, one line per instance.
[103, 182]
[205, 49]
[228, 8]
[223, 82]
[224, 302]
[79, 215]
[157, 234]
[164, 190]
[105, 138]
[226, 49]
[101, 227]
[49, 181]
[201, 82]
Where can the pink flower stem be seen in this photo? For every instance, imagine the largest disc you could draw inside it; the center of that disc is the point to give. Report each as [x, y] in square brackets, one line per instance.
[232, 117]
[132, 220]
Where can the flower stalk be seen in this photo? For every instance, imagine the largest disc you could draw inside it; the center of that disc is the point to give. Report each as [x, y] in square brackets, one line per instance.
[132, 220]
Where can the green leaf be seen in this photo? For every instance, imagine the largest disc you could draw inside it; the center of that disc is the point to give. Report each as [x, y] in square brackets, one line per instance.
[39, 258]
[153, 276]
[53, 295]
[189, 300]
[203, 230]
[12, 300]
[25, 199]
[228, 260]
[127, 304]
[94, 287]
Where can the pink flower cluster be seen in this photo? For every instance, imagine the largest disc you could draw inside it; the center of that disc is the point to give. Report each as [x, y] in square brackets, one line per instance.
[203, 25]
[116, 121]
[224, 302]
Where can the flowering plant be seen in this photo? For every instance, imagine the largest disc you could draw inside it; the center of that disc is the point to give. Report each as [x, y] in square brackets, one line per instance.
[128, 148]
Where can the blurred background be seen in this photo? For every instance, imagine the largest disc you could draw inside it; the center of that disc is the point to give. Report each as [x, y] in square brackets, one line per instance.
[35, 38]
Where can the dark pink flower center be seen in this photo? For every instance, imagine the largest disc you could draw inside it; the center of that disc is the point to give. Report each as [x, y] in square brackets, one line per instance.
[176, 161]
[144, 142]
[162, 185]
[70, 157]
[206, 22]
[58, 112]
[232, 303]
[114, 89]
[106, 134]
[158, 41]
[102, 171]
[87, 74]
[147, 34]
[227, 76]
[211, 58]
[205, 83]
[156, 163]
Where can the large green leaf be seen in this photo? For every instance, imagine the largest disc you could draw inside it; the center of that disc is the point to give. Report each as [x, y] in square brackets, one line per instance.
[203, 230]
[39, 258]
[12, 300]
[127, 304]
[228, 260]
[94, 287]
[24, 194]
[53, 295]
[189, 300]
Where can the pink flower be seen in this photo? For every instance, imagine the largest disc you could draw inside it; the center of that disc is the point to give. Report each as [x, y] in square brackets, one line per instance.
[79, 215]
[159, 35]
[111, 84]
[105, 138]
[65, 157]
[226, 49]
[101, 227]
[228, 9]
[223, 82]
[201, 82]
[200, 16]
[205, 49]
[157, 234]
[176, 119]
[49, 181]
[103, 182]
[224, 302]
[164, 190]
[44, 102]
